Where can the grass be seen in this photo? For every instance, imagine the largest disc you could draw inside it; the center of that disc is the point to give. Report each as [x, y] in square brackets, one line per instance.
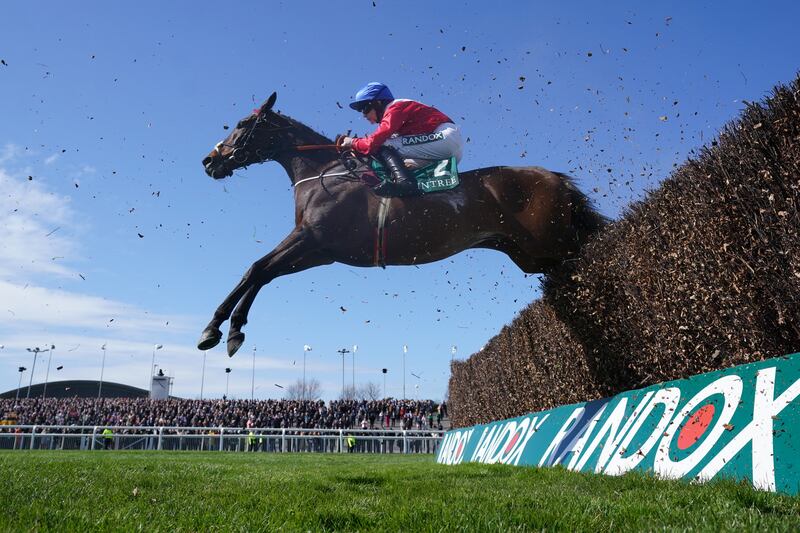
[196, 491]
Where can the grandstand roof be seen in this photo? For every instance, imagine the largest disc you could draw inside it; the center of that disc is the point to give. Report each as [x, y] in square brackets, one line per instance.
[79, 388]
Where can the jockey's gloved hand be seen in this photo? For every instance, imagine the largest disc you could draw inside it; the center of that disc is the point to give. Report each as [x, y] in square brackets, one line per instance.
[344, 141]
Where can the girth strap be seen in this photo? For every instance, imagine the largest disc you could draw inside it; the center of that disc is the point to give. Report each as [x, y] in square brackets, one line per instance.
[380, 233]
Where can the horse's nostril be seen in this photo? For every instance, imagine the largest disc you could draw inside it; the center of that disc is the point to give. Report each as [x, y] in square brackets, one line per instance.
[207, 161]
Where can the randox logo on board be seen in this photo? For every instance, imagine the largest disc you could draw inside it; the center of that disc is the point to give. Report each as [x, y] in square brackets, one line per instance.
[742, 423]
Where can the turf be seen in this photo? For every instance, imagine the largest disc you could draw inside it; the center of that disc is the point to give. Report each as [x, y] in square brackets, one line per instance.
[188, 491]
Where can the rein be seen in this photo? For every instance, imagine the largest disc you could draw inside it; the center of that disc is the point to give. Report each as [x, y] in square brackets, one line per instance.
[348, 170]
[309, 147]
[323, 175]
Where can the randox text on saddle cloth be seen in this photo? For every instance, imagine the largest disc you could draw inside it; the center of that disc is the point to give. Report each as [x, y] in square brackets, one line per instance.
[741, 423]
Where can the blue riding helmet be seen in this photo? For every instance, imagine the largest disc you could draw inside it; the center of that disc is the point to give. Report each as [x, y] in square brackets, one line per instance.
[371, 91]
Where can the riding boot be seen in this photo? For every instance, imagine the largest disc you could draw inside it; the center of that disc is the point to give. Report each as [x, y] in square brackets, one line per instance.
[401, 182]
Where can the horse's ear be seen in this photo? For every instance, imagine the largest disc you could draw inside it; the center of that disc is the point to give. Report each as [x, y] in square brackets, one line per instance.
[269, 103]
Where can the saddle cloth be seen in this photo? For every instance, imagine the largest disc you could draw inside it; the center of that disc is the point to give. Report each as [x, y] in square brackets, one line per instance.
[437, 176]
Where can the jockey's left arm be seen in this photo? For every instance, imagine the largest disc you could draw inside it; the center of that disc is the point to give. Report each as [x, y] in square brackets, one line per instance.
[392, 121]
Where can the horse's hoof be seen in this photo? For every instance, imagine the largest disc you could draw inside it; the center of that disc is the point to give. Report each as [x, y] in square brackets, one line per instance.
[235, 341]
[209, 338]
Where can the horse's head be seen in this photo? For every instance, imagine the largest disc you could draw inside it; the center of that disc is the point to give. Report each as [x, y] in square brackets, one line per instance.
[257, 138]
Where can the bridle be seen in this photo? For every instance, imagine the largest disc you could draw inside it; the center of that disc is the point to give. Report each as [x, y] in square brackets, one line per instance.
[240, 154]
[239, 151]
[349, 159]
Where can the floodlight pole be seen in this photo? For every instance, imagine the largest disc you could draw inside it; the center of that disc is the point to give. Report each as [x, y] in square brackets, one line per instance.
[306, 348]
[203, 374]
[19, 384]
[355, 349]
[102, 370]
[343, 351]
[153, 367]
[30, 381]
[405, 349]
[47, 375]
[253, 378]
[35, 352]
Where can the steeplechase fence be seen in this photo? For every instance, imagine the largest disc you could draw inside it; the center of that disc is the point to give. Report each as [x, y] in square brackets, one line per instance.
[702, 274]
[221, 439]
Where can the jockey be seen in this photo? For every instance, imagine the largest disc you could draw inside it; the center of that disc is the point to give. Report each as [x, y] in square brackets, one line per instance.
[408, 133]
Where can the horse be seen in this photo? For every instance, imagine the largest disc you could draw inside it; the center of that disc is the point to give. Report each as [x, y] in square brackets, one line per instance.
[538, 218]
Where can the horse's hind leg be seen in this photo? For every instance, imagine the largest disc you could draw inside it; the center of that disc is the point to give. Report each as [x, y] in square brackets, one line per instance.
[211, 334]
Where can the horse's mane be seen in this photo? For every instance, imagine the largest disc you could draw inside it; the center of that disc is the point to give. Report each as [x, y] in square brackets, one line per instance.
[316, 137]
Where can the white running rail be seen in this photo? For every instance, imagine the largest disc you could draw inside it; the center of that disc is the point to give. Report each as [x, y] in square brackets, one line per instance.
[25, 437]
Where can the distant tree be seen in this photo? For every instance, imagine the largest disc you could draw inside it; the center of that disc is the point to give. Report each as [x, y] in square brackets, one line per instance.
[312, 392]
[366, 391]
[371, 391]
[349, 393]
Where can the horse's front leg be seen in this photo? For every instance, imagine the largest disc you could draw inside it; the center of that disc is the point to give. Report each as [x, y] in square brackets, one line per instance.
[298, 260]
[212, 335]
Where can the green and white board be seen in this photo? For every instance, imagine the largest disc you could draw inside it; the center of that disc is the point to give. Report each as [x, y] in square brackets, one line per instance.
[741, 423]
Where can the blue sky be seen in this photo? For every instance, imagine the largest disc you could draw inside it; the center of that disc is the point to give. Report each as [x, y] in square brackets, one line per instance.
[113, 234]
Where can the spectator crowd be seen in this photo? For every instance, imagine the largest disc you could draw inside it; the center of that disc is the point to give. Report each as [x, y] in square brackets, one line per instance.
[388, 413]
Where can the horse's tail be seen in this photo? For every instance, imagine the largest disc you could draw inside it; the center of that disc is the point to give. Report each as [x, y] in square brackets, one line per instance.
[586, 219]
